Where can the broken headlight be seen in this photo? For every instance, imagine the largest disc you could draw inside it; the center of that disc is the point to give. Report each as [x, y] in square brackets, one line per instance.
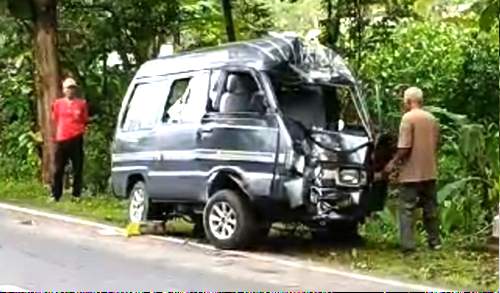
[351, 177]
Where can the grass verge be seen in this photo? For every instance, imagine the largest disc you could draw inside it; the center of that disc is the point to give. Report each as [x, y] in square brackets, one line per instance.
[454, 266]
[101, 208]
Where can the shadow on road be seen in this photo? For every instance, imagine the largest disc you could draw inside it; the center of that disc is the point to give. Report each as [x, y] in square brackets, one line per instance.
[291, 241]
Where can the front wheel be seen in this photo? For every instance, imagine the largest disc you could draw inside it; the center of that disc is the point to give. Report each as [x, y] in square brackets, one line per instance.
[228, 220]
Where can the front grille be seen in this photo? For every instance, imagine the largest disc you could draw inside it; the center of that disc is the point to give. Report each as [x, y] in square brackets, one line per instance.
[339, 202]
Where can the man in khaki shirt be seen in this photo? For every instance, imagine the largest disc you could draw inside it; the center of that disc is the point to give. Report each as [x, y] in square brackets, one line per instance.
[416, 159]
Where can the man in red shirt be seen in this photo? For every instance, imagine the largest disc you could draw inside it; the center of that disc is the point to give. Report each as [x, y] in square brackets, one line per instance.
[70, 116]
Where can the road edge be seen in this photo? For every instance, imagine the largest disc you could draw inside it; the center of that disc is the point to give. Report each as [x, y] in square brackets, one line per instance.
[290, 262]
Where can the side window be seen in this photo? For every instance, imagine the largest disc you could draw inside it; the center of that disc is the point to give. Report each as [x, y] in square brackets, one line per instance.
[178, 94]
[198, 96]
[214, 86]
[187, 99]
[239, 94]
[144, 107]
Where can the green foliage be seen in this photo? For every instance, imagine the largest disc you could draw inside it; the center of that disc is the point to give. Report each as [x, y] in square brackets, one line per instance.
[21, 9]
[427, 55]
[450, 63]
[204, 23]
[489, 15]
[19, 148]
[299, 16]
[423, 7]
[253, 18]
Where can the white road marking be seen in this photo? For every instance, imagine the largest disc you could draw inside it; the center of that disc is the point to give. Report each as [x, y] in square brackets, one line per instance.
[11, 288]
[110, 232]
[291, 262]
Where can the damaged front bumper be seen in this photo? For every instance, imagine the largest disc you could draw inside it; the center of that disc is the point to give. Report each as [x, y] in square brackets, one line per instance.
[336, 204]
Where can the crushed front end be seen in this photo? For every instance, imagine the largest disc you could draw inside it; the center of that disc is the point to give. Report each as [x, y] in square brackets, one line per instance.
[337, 176]
[331, 164]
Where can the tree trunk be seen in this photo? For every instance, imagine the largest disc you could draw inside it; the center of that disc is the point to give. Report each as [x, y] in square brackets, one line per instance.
[48, 75]
[228, 19]
[333, 22]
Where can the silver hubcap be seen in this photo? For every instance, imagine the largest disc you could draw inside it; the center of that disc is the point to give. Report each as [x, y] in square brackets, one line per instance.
[137, 206]
[222, 220]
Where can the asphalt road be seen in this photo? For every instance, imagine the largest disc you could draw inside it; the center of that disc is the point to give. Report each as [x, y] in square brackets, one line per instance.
[43, 255]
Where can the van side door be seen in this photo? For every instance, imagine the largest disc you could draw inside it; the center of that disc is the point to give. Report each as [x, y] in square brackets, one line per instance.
[239, 132]
[175, 175]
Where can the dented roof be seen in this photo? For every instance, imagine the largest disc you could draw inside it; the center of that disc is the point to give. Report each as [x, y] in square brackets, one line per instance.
[313, 62]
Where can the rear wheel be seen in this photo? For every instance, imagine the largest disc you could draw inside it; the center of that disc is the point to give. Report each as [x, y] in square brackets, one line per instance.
[140, 207]
[229, 221]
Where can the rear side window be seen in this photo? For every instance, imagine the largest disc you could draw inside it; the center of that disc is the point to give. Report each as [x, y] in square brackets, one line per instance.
[178, 96]
[145, 106]
[187, 98]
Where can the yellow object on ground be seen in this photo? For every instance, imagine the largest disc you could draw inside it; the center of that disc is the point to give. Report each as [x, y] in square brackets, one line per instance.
[153, 227]
[133, 229]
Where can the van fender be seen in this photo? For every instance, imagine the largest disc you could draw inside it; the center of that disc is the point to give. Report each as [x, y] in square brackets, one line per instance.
[221, 175]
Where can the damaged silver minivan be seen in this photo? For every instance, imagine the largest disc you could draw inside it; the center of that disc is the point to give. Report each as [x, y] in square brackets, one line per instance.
[243, 135]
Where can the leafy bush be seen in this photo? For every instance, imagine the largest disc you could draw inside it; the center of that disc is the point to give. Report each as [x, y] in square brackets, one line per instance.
[19, 144]
[455, 66]
[97, 161]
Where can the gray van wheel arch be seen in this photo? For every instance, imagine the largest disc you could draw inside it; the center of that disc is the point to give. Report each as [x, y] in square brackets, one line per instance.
[233, 181]
[154, 210]
[226, 180]
[132, 179]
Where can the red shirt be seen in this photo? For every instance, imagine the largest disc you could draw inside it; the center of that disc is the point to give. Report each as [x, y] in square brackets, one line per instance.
[70, 118]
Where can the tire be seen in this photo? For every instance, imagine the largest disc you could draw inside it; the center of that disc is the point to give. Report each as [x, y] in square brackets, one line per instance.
[229, 221]
[141, 208]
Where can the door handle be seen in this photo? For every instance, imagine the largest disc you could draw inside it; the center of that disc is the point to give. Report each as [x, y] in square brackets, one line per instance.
[204, 131]
[206, 128]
